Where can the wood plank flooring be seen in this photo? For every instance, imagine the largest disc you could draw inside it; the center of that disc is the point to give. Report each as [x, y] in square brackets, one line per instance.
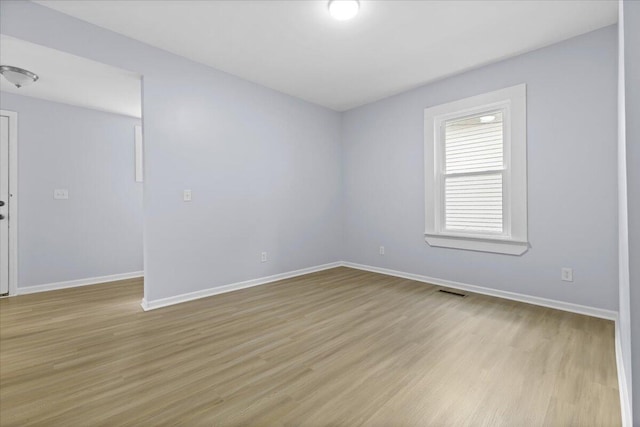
[340, 347]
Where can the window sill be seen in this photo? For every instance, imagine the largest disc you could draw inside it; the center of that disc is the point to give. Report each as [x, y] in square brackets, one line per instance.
[499, 246]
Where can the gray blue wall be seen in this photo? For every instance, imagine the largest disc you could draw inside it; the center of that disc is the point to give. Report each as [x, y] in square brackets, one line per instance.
[264, 167]
[272, 173]
[572, 176]
[632, 94]
[98, 230]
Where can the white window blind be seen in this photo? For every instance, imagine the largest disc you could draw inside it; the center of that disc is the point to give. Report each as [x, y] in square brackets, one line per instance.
[474, 174]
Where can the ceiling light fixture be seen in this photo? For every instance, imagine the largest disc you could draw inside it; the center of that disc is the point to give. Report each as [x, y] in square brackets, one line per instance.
[18, 76]
[344, 9]
[487, 119]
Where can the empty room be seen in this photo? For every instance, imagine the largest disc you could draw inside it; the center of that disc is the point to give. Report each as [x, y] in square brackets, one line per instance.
[320, 213]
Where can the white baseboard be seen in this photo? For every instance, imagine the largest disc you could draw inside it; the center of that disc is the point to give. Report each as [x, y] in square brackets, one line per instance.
[150, 305]
[625, 398]
[164, 302]
[79, 282]
[544, 302]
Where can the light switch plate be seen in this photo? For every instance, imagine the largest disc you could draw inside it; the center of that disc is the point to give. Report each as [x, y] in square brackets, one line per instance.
[567, 274]
[60, 194]
[186, 195]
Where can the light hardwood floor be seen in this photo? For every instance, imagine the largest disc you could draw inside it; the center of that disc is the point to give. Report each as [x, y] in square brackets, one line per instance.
[335, 348]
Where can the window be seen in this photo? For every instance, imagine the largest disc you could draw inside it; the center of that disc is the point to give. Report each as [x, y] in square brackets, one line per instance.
[475, 173]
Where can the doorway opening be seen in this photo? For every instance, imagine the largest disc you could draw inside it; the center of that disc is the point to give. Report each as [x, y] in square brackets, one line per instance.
[8, 202]
[78, 145]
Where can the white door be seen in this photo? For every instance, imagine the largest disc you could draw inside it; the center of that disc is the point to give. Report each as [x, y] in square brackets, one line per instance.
[4, 205]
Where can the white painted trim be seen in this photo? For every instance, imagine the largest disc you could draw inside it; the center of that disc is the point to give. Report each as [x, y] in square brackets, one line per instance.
[79, 282]
[623, 325]
[139, 154]
[544, 302]
[13, 202]
[164, 302]
[623, 387]
[513, 101]
[507, 247]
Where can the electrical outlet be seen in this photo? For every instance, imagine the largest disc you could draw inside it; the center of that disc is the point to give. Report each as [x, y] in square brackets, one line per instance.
[381, 250]
[567, 274]
[60, 194]
[186, 195]
[263, 257]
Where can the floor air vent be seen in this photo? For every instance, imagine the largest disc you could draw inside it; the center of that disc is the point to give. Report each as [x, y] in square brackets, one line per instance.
[458, 294]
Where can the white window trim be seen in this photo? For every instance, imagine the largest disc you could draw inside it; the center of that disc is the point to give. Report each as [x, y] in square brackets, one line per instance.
[514, 239]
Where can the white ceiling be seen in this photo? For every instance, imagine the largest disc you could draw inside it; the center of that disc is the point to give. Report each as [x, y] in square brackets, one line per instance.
[390, 46]
[71, 79]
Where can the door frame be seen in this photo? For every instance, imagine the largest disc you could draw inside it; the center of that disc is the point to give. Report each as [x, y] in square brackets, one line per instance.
[13, 200]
